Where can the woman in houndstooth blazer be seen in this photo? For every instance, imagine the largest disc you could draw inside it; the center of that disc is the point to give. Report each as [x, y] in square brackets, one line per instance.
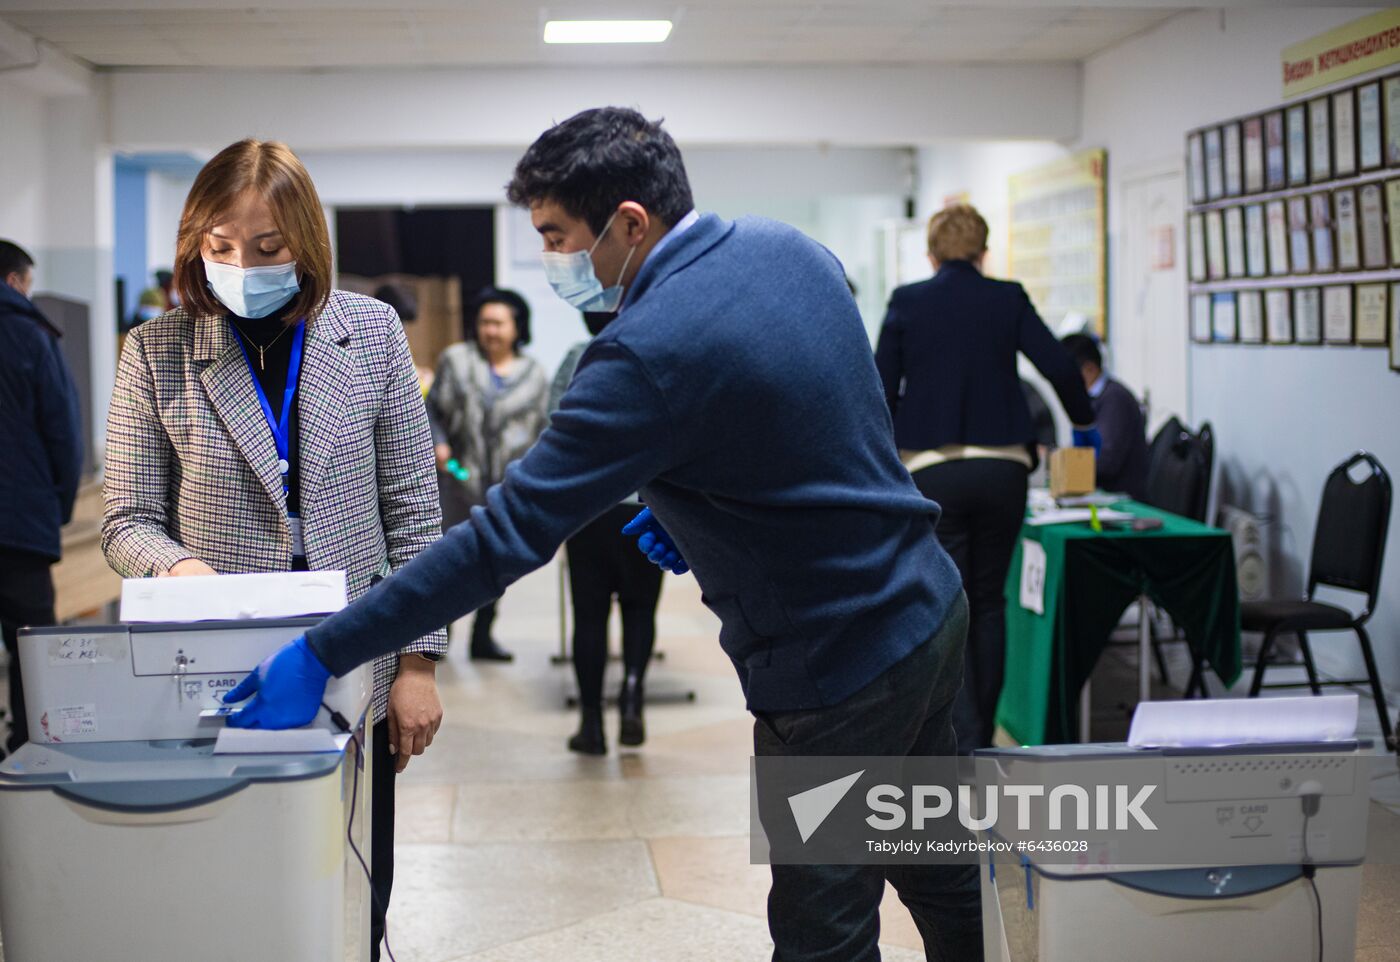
[196, 483]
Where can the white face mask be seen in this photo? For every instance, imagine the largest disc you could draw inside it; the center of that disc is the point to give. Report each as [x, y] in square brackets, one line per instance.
[573, 278]
[252, 291]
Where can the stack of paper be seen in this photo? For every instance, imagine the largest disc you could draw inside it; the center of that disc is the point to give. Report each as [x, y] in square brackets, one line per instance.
[287, 594]
[1243, 721]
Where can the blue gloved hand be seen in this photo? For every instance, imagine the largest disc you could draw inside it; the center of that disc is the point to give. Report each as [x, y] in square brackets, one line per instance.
[287, 689]
[1088, 438]
[655, 543]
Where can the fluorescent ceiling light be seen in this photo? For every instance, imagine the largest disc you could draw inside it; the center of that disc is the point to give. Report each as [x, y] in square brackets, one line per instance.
[606, 31]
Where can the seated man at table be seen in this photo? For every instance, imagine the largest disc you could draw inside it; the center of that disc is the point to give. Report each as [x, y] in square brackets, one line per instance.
[1122, 461]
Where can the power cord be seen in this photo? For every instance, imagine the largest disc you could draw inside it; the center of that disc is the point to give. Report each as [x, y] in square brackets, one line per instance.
[339, 720]
[1312, 801]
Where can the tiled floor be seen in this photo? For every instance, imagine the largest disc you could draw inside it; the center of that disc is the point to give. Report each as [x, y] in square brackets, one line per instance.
[513, 849]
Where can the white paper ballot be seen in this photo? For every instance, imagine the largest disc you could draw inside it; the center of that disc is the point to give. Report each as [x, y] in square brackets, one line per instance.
[1077, 516]
[287, 594]
[256, 741]
[1243, 721]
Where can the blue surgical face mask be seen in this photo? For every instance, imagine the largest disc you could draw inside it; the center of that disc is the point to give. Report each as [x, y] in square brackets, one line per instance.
[252, 291]
[573, 278]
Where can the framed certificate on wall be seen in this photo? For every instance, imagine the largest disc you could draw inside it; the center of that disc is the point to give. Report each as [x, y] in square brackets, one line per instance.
[1254, 155]
[1297, 145]
[1307, 315]
[1278, 315]
[1224, 322]
[1196, 240]
[1215, 245]
[1344, 132]
[1215, 165]
[1392, 121]
[1320, 138]
[1196, 168]
[1372, 321]
[1373, 239]
[1299, 239]
[1277, 229]
[1368, 125]
[1348, 232]
[1200, 318]
[1392, 204]
[1275, 172]
[1336, 314]
[1324, 257]
[1234, 161]
[1250, 308]
[1395, 327]
[1234, 242]
[1256, 240]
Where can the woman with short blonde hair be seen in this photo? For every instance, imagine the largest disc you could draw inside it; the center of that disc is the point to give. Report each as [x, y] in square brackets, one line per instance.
[947, 357]
[272, 423]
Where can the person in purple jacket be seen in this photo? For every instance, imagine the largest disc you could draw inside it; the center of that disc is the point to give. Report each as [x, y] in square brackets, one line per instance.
[771, 472]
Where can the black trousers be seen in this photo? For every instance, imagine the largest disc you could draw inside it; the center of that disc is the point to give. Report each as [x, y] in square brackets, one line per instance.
[831, 913]
[381, 817]
[984, 503]
[603, 563]
[481, 626]
[26, 600]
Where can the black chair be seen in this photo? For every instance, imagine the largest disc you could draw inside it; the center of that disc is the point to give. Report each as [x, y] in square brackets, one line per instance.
[1178, 480]
[1348, 547]
[1179, 470]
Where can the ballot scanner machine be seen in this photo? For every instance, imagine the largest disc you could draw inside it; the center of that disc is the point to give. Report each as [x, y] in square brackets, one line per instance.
[1244, 855]
[133, 827]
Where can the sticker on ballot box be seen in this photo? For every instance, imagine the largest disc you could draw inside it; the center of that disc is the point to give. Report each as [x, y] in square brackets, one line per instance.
[85, 649]
[68, 722]
[1033, 576]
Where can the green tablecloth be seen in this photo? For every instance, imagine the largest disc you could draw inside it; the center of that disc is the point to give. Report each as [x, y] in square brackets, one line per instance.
[1186, 568]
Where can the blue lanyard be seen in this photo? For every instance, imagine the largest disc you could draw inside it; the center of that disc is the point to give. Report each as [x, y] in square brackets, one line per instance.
[281, 429]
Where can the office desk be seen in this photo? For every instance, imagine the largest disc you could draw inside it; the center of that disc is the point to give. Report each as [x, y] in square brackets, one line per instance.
[1090, 578]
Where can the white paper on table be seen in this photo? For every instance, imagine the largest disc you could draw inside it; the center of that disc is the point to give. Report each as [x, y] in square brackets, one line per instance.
[1243, 721]
[290, 741]
[1074, 515]
[284, 594]
[1033, 576]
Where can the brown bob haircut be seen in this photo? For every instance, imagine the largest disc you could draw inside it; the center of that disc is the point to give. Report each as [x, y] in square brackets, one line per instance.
[957, 233]
[277, 175]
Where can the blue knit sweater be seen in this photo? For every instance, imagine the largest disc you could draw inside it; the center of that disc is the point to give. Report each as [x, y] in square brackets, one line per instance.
[738, 391]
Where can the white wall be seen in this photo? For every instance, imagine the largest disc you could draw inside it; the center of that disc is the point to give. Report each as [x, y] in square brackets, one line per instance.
[58, 203]
[508, 107]
[1284, 416]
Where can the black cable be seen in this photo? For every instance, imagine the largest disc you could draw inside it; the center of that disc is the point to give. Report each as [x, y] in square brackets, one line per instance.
[344, 726]
[1310, 870]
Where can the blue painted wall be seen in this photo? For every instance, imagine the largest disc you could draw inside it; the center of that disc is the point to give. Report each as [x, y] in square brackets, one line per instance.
[129, 249]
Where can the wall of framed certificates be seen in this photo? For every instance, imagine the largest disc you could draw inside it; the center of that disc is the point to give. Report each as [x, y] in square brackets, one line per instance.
[1293, 222]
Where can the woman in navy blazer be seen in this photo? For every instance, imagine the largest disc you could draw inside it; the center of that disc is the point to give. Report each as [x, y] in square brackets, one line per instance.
[947, 356]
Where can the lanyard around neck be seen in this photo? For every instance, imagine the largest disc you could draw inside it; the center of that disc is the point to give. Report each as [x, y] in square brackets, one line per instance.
[281, 427]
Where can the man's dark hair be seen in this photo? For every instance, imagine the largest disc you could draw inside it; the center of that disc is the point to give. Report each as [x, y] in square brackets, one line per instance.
[13, 260]
[519, 309]
[595, 160]
[401, 298]
[1083, 349]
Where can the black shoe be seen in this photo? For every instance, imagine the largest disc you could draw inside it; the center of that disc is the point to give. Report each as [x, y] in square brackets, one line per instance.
[488, 650]
[629, 705]
[589, 740]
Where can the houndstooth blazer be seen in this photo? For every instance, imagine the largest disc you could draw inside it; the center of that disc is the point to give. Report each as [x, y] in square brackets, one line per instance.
[191, 469]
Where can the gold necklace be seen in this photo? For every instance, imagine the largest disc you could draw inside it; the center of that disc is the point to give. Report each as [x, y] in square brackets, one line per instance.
[261, 347]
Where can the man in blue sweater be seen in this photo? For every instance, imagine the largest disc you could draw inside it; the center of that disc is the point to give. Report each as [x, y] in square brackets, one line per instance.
[737, 390]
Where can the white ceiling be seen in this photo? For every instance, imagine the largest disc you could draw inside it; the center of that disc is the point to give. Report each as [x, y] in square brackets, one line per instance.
[380, 33]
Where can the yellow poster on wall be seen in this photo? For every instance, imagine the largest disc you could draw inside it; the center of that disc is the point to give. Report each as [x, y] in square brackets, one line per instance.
[1057, 247]
[1367, 44]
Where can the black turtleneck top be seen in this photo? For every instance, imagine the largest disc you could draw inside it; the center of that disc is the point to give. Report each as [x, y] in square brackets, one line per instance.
[277, 359]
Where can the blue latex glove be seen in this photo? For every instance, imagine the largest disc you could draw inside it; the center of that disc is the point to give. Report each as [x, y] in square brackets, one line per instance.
[287, 689]
[655, 543]
[1088, 438]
